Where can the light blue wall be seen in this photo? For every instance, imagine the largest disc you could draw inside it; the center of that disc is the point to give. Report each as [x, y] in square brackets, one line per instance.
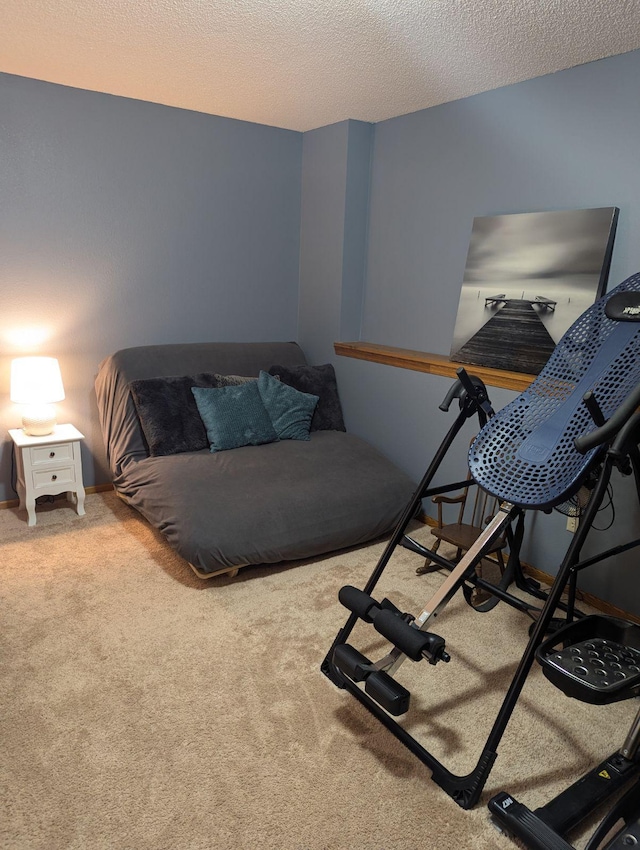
[334, 214]
[358, 176]
[127, 223]
[564, 141]
[324, 170]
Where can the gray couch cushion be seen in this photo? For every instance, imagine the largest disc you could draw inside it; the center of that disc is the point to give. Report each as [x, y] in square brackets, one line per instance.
[263, 504]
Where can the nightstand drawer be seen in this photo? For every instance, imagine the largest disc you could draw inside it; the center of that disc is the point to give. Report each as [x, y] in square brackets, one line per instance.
[44, 479]
[51, 454]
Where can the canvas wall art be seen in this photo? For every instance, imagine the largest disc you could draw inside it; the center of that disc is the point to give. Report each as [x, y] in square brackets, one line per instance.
[528, 277]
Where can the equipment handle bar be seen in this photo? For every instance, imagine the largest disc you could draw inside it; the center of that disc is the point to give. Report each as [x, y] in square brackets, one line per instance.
[455, 391]
[616, 421]
[467, 386]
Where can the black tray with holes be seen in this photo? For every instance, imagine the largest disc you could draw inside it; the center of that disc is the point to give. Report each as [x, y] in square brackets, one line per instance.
[595, 659]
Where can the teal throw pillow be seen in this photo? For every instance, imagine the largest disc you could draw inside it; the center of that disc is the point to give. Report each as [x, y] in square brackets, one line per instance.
[234, 416]
[289, 409]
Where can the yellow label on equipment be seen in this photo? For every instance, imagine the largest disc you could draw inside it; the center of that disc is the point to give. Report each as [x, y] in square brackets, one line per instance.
[604, 774]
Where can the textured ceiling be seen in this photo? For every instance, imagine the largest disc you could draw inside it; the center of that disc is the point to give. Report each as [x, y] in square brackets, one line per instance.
[302, 64]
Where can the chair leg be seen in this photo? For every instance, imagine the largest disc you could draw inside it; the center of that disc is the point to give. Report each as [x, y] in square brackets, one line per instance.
[479, 595]
[428, 567]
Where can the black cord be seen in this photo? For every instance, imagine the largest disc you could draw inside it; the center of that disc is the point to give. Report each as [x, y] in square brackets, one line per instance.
[609, 504]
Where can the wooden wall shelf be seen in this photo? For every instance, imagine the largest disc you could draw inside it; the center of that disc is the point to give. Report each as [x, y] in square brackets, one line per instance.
[433, 364]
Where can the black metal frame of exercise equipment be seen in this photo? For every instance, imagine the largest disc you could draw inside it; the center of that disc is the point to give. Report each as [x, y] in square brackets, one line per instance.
[382, 695]
[547, 827]
[626, 809]
[612, 645]
[473, 401]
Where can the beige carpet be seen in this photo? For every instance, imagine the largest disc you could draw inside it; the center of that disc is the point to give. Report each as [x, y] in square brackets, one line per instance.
[143, 708]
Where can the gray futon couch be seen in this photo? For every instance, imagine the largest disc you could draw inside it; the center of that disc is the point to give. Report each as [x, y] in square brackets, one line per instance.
[256, 504]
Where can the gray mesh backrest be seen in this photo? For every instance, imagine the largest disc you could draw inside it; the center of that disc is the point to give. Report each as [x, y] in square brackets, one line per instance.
[526, 454]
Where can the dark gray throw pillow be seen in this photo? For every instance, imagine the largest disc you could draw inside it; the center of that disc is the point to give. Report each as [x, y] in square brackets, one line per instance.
[168, 412]
[320, 381]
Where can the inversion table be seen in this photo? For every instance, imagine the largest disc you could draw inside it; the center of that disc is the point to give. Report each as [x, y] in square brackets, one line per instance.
[557, 442]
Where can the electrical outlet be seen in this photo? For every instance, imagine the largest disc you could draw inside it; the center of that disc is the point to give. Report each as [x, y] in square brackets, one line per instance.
[572, 522]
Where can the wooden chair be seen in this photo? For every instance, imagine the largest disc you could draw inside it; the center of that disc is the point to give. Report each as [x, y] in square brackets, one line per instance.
[477, 508]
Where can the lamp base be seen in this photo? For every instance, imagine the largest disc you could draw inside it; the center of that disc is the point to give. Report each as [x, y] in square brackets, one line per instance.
[38, 421]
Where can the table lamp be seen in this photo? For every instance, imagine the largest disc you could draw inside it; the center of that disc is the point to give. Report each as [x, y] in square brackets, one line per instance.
[36, 383]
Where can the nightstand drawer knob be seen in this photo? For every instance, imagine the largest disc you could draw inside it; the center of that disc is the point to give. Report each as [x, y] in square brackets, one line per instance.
[52, 454]
[54, 477]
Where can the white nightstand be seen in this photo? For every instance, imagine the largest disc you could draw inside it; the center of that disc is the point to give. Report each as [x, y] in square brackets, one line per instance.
[47, 466]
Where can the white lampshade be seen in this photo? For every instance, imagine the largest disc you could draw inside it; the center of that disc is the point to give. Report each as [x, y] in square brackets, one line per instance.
[36, 382]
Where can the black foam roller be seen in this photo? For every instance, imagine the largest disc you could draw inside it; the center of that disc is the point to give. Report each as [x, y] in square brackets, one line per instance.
[358, 601]
[408, 639]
